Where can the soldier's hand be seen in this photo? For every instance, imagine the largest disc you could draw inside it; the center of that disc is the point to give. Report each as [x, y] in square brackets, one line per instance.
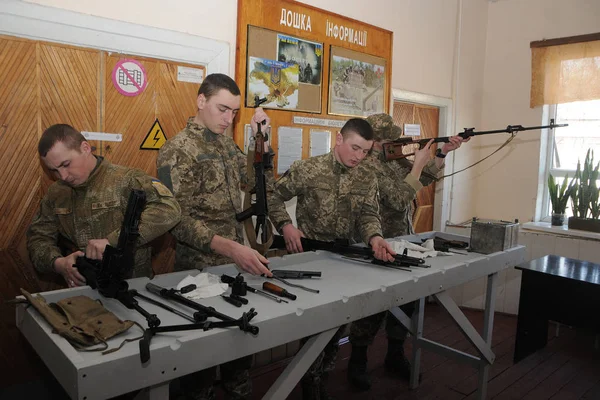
[251, 261]
[65, 267]
[259, 116]
[95, 248]
[454, 143]
[292, 236]
[422, 157]
[382, 249]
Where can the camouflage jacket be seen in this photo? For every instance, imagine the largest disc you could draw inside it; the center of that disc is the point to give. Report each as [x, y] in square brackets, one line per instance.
[334, 201]
[206, 172]
[397, 190]
[95, 210]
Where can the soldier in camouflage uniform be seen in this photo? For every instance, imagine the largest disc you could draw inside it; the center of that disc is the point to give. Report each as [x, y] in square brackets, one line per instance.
[205, 169]
[87, 206]
[398, 181]
[337, 199]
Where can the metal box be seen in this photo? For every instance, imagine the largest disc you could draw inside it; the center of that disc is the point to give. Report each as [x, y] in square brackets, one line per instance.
[491, 236]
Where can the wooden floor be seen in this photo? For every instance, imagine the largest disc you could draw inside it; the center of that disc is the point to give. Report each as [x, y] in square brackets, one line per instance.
[568, 368]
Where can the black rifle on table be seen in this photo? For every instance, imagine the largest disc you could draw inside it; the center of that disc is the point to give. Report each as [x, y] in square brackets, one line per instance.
[343, 247]
[441, 244]
[295, 274]
[283, 276]
[200, 316]
[109, 274]
[393, 150]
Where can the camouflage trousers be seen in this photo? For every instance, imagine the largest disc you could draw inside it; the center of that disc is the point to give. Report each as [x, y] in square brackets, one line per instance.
[325, 361]
[363, 331]
[200, 385]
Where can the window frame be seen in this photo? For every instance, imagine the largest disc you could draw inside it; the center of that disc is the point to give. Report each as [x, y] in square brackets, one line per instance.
[549, 113]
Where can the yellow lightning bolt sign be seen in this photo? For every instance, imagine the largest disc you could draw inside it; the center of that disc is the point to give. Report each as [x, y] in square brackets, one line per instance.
[155, 138]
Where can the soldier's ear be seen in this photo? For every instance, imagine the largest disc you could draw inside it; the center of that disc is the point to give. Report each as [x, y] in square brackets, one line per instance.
[339, 138]
[201, 101]
[85, 147]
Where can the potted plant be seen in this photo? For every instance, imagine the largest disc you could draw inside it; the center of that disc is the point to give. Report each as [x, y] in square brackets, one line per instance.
[585, 203]
[559, 196]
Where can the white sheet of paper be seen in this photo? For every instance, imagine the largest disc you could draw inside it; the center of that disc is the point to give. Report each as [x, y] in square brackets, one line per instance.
[290, 147]
[187, 74]
[247, 136]
[412, 129]
[107, 137]
[320, 142]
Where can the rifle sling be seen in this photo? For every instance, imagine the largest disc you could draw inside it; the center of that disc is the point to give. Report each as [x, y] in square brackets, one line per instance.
[409, 164]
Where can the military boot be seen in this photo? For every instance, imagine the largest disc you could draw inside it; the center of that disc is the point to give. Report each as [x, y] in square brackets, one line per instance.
[311, 389]
[323, 394]
[396, 362]
[357, 368]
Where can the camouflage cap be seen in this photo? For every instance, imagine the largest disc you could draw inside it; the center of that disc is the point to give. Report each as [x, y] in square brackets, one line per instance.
[383, 127]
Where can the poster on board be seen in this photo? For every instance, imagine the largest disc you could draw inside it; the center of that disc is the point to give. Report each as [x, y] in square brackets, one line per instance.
[274, 81]
[307, 55]
[356, 87]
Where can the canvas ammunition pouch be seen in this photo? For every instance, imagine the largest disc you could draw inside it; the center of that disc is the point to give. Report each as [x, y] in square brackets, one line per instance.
[82, 321]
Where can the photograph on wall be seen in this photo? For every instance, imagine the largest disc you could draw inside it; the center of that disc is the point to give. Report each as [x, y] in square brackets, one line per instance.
[307, 55]
[356, 88]
[274, 82]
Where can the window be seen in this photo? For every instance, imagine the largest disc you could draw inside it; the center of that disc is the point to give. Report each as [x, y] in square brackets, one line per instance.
[566, 72]
[569, 144]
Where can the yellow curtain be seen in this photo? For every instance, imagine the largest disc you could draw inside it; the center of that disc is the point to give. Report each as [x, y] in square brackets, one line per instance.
[565, 73]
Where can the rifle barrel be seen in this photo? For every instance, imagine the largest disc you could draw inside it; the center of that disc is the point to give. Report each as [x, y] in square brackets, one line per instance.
[391, 153]
[162, 305]
[171, 294]
[469, 132]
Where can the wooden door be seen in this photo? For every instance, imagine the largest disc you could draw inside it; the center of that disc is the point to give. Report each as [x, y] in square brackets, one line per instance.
[428, 117]
[47, 83]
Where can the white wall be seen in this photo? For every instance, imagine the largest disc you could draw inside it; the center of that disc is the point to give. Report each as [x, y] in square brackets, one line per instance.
[207, 18]
[467, 97]
[424, 38]
[506, 185]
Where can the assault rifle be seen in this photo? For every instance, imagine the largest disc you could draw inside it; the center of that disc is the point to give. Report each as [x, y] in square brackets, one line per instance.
[116, 265]
[262, 162]
[393, 150]
[108, 275]
[343, 247]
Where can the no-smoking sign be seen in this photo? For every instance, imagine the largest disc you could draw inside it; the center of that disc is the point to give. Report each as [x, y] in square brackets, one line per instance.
[129, 77]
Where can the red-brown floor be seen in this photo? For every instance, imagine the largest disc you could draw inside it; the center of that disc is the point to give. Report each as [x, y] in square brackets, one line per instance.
[568, 368]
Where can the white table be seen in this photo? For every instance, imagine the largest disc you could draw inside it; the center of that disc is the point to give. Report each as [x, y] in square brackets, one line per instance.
[349, 291]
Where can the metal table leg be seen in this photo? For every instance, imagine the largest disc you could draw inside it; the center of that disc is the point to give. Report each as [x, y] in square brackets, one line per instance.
[482, 344]
[292, 374]
[158, 392]
[417, 330]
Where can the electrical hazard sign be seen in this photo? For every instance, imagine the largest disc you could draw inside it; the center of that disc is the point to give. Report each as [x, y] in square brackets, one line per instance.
[155, 138]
